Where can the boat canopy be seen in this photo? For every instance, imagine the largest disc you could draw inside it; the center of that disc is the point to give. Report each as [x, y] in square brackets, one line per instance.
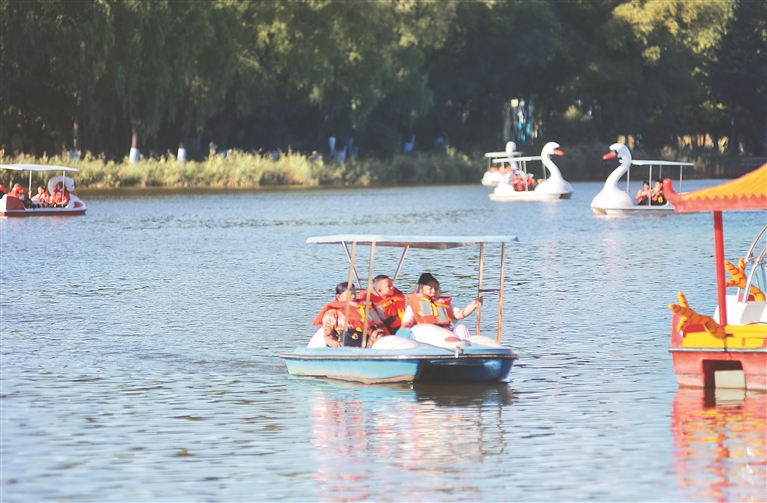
[428, 242]
[36, 167]
[501, 154]
[749, 192]
[661, 163]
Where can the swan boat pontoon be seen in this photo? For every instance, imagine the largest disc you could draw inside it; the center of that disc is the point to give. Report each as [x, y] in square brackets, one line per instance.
[405, 357]
[501, 166]
[612, 200]
[729, 349]
[11, 206]
[553, 187]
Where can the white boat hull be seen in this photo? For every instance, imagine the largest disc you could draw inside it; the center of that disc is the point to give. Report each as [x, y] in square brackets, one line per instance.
[529, 195]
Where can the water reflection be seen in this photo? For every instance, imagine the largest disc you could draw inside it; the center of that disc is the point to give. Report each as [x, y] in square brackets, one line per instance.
[361, 432]
[720, 439]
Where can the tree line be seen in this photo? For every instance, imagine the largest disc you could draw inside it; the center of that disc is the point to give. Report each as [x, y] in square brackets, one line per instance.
[379, 76]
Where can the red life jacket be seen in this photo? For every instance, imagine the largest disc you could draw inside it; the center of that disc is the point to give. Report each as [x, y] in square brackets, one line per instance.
[437, 312]
[391, 309]
[356, 314]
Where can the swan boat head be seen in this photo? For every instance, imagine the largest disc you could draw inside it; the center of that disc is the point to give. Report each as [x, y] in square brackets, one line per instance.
[611, 196]
[555, 181]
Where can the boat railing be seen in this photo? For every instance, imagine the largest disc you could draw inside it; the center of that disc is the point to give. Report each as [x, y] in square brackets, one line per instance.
[758, 266]
[650, 165]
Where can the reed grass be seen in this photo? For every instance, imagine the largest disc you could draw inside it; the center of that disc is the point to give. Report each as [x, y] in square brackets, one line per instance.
[241, 169]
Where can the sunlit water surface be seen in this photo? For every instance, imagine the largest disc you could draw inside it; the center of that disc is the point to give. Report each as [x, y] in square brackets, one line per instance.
[140, 355]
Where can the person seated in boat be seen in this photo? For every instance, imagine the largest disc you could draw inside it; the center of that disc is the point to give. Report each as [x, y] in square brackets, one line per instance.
[656, 195]
[643, 194]
[389, 302]
[426, 306]
[332, 319]
[518, 182]
[18, 191]
[60, 196]
[42, 198]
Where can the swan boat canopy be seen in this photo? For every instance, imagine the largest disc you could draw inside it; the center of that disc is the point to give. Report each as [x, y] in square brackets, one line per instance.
[612, 200]
[422, 354]
[11, 206]
[728, 349]
[520, 188]
[500, 165]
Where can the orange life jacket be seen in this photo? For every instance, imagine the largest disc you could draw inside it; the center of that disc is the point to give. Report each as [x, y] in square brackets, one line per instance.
[391, 309]
[437, 312]
[356, 314]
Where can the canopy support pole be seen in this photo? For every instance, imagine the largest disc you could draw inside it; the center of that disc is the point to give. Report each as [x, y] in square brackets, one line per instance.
[367, 297]
[348, 290]
[479, 288]
[719, 260]
[349, 258]
[399, 266]
[500, 293]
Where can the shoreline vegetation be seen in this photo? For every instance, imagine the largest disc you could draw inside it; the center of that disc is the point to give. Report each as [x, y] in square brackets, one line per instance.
[293, 169]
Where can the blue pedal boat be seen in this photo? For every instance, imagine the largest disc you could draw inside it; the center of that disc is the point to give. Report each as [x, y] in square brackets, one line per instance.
[402, 357]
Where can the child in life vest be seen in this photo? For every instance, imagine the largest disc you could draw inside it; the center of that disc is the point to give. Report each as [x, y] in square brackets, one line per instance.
[389, 302]
[427, 307]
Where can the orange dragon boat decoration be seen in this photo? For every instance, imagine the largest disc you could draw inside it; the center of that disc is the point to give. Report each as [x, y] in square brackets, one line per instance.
[728, 349]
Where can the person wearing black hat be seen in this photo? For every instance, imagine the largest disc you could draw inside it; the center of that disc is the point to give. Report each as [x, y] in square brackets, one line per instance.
[426, 306]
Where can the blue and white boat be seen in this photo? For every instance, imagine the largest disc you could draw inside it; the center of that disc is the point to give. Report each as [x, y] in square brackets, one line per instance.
[406, 357]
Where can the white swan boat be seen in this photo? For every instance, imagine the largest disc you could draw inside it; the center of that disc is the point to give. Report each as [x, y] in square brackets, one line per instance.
[553, 187]
[500, 165]
[612, 200]
[423, 354]
[11, 206]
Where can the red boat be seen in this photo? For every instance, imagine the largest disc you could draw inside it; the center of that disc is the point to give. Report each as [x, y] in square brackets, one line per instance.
[728, 349]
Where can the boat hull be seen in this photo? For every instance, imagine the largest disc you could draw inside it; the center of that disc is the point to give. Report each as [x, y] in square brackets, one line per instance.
[635, 210]
[697, 367]
[529, 195]
[425, 364]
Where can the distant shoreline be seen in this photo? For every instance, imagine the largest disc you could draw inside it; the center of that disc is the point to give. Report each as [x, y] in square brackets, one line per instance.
[245, 171]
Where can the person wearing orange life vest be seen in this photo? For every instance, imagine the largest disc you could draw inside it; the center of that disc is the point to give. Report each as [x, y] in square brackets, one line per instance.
[42, 197]
[332, 318]
[389, 302]
[60, 196]
[427, 307]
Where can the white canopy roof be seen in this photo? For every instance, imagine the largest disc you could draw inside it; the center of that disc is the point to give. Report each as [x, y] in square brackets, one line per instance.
[501, 154]
[430, 242]
[36, 167]
[661, 163]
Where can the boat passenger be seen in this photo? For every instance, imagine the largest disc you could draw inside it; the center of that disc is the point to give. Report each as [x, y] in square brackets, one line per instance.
[60, 196]
[18, 191]
[518, 182]
[427, 307]
[390, 303]
[643, 195]
[657, 198]
[332, 319]
[43, 197]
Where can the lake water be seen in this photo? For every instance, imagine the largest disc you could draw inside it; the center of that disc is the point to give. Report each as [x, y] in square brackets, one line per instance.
[140, 355]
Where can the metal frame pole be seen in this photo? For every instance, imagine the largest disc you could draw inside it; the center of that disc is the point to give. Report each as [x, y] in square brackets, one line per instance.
[500, 292]
[348, 289]
[719, 260]
[479, 287]
[367, 297]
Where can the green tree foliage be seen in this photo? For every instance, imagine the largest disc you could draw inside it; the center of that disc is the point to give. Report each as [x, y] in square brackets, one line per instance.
[276, 74]
[738, 77]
